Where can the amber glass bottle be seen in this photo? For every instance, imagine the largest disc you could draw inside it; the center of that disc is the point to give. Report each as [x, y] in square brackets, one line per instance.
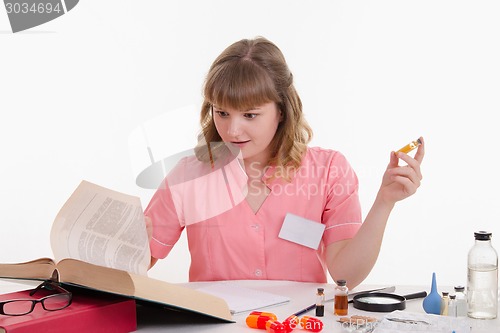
[340, 303]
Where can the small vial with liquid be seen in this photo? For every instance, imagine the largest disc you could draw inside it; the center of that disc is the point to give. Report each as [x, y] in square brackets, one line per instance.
[461, 301]
[320, 300]
[452, 306]
[340, 301]
[409, 147]
[445, 301]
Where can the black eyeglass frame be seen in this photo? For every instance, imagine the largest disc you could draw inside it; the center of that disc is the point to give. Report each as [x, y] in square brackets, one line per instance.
[48, 284]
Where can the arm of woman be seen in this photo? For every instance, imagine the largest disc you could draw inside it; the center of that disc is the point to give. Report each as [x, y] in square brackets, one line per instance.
[353, 259]
[149, 229]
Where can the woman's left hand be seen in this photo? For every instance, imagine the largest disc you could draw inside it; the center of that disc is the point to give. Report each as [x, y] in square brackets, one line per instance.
[399, 182]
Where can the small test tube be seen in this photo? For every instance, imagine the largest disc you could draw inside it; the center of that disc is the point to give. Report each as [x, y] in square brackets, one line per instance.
[409, 147]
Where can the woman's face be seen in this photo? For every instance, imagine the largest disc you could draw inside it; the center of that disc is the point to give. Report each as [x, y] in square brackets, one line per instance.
[249, 130]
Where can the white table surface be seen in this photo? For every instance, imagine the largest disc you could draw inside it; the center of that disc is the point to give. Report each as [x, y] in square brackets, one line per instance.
[301, 295]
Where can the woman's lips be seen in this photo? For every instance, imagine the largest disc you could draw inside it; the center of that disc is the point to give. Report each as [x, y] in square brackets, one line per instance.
[240, 144]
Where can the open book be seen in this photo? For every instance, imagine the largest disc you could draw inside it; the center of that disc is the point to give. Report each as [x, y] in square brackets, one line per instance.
[99, 241]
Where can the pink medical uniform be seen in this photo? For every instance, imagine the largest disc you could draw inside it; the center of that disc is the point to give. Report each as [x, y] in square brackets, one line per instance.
[231, 242]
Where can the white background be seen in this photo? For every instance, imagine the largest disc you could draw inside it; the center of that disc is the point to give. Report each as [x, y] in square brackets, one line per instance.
[372, 77]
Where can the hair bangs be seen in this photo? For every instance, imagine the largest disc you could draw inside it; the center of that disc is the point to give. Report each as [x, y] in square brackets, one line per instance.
[240, 84]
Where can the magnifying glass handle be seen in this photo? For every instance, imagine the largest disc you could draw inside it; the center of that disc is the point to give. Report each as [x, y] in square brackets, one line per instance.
[416, 295]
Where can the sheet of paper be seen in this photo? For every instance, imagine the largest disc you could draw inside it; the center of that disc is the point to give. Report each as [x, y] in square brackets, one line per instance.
[302, 231]
[403, 321]
[241, 299]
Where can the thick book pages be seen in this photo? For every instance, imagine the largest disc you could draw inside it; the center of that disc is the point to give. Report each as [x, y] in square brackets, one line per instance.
[97, 313]
[110, 280]
[99, 241]
[102, 227]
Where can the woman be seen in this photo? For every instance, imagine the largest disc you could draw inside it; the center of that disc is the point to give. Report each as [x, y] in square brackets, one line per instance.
[289, 189]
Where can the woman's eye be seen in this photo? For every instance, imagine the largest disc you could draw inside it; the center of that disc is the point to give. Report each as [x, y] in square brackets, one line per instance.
[250, 115]
[222, 114]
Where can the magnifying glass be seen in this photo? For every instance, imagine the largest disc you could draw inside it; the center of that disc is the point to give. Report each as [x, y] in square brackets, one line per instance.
[383, 302]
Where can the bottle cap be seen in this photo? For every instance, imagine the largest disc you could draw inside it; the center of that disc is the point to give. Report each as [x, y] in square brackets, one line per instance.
[341, 282]
[453, 296]
[320, 290]
[459, 288]
[445, 293]
[482, 235]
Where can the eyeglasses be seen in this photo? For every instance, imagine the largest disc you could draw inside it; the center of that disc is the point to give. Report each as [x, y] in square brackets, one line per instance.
[20, 307]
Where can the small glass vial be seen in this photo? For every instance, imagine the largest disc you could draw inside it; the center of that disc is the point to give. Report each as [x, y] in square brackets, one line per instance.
[412, 145]
[461, 301]
[482, 278]
[445, 301]
[340, 302]
[320, 302]
[452, 306]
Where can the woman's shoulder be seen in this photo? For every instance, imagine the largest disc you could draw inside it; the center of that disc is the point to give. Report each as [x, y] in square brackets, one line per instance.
[191, 167]
[187, 168]
[324, 156]
[332, 162]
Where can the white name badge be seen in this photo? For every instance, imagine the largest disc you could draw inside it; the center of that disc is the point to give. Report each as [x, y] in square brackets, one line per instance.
[302, 231]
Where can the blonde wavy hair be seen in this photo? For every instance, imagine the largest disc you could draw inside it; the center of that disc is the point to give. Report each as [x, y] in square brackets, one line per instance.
[250, 73]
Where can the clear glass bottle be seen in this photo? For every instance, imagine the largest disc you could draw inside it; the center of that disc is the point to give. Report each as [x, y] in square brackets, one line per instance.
[452, 306]
[482, 278]
[461, 301]
[340, 302]
[320, 302]
[445, 301]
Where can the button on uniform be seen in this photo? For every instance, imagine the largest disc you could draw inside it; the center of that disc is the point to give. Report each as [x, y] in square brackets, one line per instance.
[256, 237]
[255, 227]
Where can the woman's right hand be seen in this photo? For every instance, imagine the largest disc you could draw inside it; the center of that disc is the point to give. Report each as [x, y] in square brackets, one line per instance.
[149, 229]
[400, 182]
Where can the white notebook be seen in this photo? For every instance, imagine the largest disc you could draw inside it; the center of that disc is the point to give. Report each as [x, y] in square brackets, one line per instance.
[242, 299]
